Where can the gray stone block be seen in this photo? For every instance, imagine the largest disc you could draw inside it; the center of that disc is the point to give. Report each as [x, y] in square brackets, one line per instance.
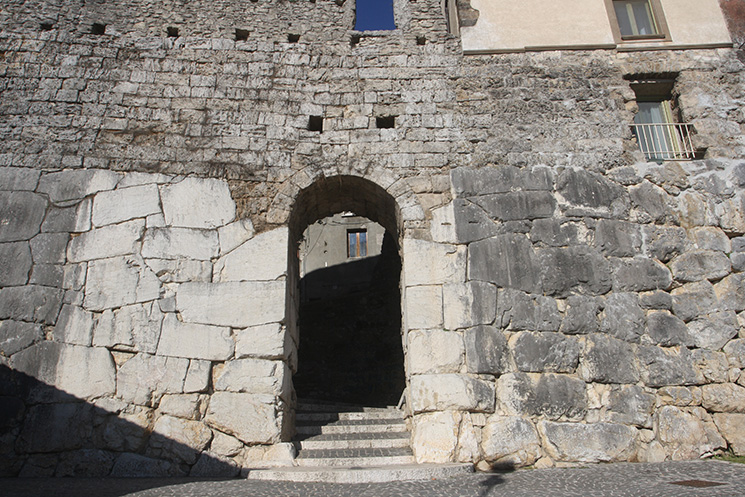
[215, 466]
[471, 222]
[134, 465]
[545, 352]
[16, 266]
[664, 367]
[651, 200]
[597, 442]
[519, 311]
[35, 303]
[52, 275]
[630, 405]
[663, 242]
[55, 428]
[145, 377]
[587, 189]
[618, 238]
[574, 269]
[709, 238]
[699, 265]
[552, 396]
[21, 214]
[731, 292]
[623, 318]
[608, 360]
[520, 205]
[13, 179]
[656, 299]
[714, 330]
[553, 233]
[510, 441]
[735, 351]
[713, 365]
[85, 463]
[486, 350]
[178, 439]
[16, 336]
[693, 300]
[506, 260]
[75, 185]
[49, 248]
[581, 316]
[667, 330]
[499, 179]
[640, 274]
[75, 219]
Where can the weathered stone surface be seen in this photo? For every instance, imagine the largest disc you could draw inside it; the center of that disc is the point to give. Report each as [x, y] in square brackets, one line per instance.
[545, 352]
[176, 243]
[520, 311]
[731, 213]
[16, 273]
[52, 275]
[439, 392]
[651, 200]
[512, 206]
[428, 263]
[590, 191]
[608, 360]
[49, 248]
[86, 463]
[233, 235]
[263, 257]
[574, 269]
[713, 365]
[597, 442]
[187, 406]
[16, 336]
[725, 397]
[74, 185]
[268, 341]
[18, 179]
[468, 304]
[35, 303]
[250, 418]
[486, 350]
[618, 238]
[552, 396]
[74, 326]
[268, 456]
[145, 377]
[468, 221]
[630, 405]
[693, 300]
[640, 274]
[119, 281]
[685, 435]
[656, 299]
[510, 441]
[698, 265]
[507, 260]
[198, 203]
[194, 341]
[662, 367]
[553, 233]
[663, 242]
[435, 437]
[257, 376]
[499, 179]
[423, 307]
[134, 465]
[667, 330]
[21, 214]
[178, 438]
[435, 351]
[212, 465]
[55, 427]
[236, 304]
[225, 445]
[180, 270]
[714, 330]
[731, 293]
[709, 238]
[735, 351]
[128, 431]
[132, 327]
[730, 426]
[679, 396]
[106, 242]
[623, 318]
[581, 316]
[123, 204]
[198, 376]
[75, 219]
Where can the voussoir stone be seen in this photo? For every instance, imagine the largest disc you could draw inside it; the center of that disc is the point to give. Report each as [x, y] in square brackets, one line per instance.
[435, 351]
[21, 214]
[236, 304]
[437, 392]
[194, 341]
[263, 257]
[597, 442]
[198, 203]
[123, 204]
[250, 418]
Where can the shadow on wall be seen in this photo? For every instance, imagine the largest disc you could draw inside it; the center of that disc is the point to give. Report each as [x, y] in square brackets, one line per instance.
[47, 432]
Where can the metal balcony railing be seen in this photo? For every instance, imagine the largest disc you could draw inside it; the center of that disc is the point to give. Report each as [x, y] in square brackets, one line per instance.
[668, 141]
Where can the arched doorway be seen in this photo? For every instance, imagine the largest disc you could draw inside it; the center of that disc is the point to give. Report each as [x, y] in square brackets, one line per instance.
[345, 318]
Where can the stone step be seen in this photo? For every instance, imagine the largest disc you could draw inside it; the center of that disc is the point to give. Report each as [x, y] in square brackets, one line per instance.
[358, 453]
[334, 407]
[350, 428]
[305, 416]
[354, 461]
[352, 422]
[355, 441]
[370, 474]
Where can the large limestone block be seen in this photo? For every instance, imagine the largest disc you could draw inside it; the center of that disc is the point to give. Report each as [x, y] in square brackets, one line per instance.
[461, 221]
[123, 204]
[198, 203]
[176, 243]
[618, 238]
[735, 351]
[17, 272]
[713, 365]
[74, 219]
[112, 283]
[428, 263]
[13, 179]
[263, 257]
[257, 376]
[468, 181]
[181, 270]
[106, 242]
[630, 405]
[84, 372]
[423, 307]
[597, 442]
[435, 351]
[640, 274]
[130, 465]
[198, 376]
[439, 392]
[552, 396]
[506, 260]
[21, 214]
[510, 441]
[17, 335]
[588, 193]
[518, 310]
[194, 341]
[236, 304]
[517, 205]
[74, 185]
[684, 434]
[486, 350]
[726, 397]
[576, 269]
[731, 214]
[146, 377]
[49, 248]
[623, 317]
[468, 304]
[268, 341]
[581, 315]
[663, 242]
[434, 437]
[252, 419]
[186, 406]
[698, 265]
[664, 367]
[74, 326]
[714, 330]
[731, 292]
[178, 438]
[731, 428]
[39, 304]
[233, 235]
[55, 427]
[545, 352]
[693, 300]
[667, 330]
[132, 327]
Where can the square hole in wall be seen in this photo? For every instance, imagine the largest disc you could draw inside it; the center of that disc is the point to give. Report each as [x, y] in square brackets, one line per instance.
[98, 29]
[384, 122]
[315, 123]
[46, 26]
[172, 32]
[241, 34]
[292, 38]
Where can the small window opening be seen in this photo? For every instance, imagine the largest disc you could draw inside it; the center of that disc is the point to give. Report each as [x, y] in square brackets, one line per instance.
[172, 32]
[385, 122]
[356, 243]
[354, 40]
[421, 40]
[254, 1]
[315, 123]
[291, 38]
[241, 34]
[98, 28]
[46, 26]
[374, 15]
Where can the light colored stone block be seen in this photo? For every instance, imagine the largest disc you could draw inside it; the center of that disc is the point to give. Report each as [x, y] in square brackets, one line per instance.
[185, 406]
[234, 234]
[73, 185]
[198, 376]
[132, 327]
[428, 263]
[597, 442]
[74, 325]
[257, 376]
[510, 441]
[439, 392]
[120, 281]
[468, 304]
[435, 351]
[175, 243]
[684, 434]
[180, 438]
[250, 418]
[268, 341]
[725, 397]
[194, 341]
[180, 270]
[434, 437]
[198, 203]
[236, 304]
[263, 257]
[731, 426]
[146, 377]
[423, 307]
[106, 242]
[123, 204]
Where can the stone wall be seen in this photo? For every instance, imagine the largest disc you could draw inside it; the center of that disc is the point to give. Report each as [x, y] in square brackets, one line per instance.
[563, 299]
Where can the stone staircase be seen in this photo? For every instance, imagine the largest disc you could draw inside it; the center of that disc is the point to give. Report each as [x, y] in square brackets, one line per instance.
[352, 444]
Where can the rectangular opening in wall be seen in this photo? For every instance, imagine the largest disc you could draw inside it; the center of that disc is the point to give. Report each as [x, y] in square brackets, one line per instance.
[293, 38]
[356, 243]
[374, 15]
[98, 28]
[315, 123]
[172, 32]
[241, 34]
[384, 122]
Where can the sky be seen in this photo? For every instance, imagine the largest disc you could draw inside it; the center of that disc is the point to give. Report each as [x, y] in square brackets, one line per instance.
[374, 14]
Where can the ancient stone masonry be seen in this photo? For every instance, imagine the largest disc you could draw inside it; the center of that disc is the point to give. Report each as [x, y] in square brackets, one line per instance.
[564, 300]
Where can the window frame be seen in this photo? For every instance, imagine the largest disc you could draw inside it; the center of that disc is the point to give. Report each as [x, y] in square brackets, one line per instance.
[663, 33]
[360, 241]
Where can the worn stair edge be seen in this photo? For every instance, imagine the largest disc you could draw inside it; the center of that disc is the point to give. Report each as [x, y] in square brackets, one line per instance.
[366, 461]
[379, 474]
[331, 429]
[370, 443]
[347, 416]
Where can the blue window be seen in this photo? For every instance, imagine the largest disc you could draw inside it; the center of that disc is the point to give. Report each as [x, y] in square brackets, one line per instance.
[374, 15]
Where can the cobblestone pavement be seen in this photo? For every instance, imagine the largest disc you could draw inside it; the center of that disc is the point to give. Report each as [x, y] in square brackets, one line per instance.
[611, 480]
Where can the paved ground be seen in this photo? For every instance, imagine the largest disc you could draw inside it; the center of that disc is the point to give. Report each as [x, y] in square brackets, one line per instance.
[611, 480]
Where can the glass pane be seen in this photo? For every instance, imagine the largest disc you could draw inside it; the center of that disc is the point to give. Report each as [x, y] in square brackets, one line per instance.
[643, 18]
[352, 245]
[635, 17]
[363, 244]
[373, 15]
[622, 14]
